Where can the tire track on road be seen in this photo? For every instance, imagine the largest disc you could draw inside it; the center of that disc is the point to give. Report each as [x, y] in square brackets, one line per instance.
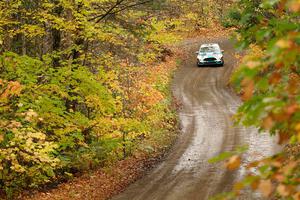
[207, 130]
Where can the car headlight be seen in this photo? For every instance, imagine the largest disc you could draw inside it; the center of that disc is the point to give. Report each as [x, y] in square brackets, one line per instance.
[219, 58]
[201, 58]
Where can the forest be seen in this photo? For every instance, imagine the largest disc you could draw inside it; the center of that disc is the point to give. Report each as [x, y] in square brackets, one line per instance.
[86, 83]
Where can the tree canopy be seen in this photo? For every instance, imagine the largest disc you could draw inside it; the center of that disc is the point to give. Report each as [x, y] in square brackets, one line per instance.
[79, 85]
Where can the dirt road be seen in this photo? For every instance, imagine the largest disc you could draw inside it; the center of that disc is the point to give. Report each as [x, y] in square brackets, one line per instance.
[207, 130]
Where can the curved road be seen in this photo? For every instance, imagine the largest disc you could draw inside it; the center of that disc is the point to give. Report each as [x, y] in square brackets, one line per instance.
[207, 130]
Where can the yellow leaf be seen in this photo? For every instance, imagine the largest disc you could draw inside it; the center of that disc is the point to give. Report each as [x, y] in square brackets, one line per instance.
[284, 44]
[238, 187]
[297, 128]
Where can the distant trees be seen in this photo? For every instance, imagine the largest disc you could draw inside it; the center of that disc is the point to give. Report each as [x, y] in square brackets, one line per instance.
[199, 14]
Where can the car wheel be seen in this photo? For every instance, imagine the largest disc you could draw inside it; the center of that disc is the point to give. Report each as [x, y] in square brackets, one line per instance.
[222, 64]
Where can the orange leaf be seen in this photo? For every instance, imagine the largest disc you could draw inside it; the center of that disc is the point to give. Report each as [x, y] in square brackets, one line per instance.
[275, 78]
[283, 190]
[279, 65]
[283, 137]
[280, 117]
[279, 177]
[252, 64]
[276, 164]
[291, 109]
[233, 163]
[289, 168]
[295, 6]
[293, 86]
[265, 187]
[248, 86]
[254, 185]
[268, 123]
[297, 196]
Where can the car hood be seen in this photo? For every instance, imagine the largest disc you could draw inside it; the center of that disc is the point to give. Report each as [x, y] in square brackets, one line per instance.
[210, 55]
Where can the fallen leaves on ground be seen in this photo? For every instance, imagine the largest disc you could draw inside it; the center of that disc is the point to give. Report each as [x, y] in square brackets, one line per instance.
[101, 184]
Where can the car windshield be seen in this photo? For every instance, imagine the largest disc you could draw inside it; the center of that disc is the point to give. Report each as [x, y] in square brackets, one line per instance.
[209, 49]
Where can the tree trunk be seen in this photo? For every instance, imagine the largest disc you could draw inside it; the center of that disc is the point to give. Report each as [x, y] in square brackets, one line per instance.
[56, 37]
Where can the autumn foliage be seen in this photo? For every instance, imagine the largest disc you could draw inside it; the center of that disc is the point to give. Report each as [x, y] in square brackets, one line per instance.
[269, 82]
[82, 84]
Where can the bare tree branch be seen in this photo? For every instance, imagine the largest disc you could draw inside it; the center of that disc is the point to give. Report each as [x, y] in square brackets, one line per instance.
[116, 8]
[102, 16]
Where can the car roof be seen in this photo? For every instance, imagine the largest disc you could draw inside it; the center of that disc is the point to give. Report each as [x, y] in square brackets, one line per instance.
[210, 45]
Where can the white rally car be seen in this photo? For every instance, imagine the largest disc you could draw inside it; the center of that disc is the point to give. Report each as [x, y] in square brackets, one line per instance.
[210, 54]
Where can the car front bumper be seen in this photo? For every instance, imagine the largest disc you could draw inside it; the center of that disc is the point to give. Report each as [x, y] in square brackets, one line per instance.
[204, 63]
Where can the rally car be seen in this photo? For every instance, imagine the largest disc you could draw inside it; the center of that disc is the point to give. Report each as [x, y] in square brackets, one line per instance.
[210, 55]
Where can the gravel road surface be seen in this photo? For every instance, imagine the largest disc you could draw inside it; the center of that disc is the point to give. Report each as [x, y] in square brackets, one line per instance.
[207, 130]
